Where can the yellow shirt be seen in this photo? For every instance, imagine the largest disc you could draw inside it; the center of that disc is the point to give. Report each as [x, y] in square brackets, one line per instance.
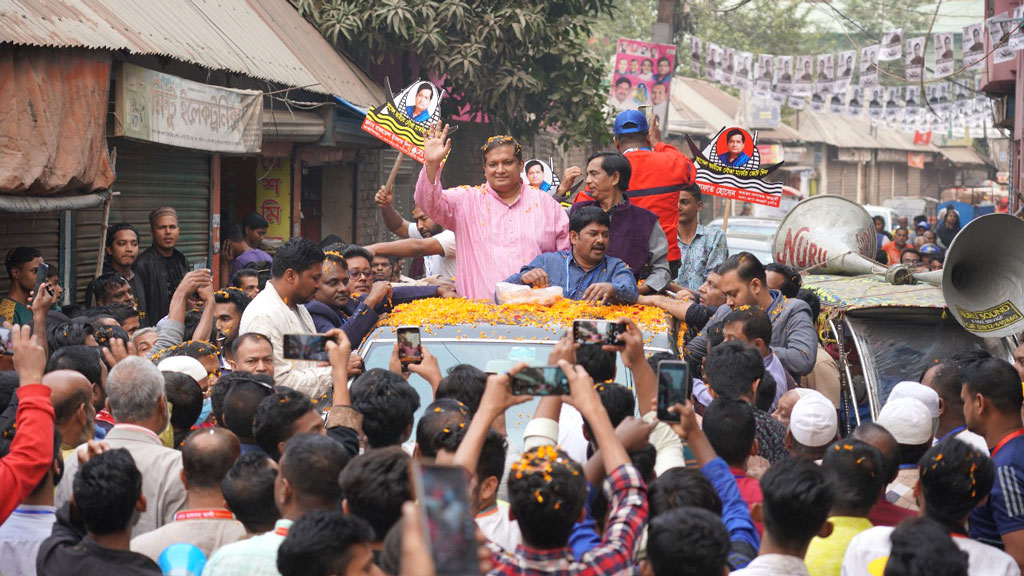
[825, 555]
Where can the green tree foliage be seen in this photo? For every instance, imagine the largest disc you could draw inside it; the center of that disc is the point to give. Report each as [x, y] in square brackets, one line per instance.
[527, 65]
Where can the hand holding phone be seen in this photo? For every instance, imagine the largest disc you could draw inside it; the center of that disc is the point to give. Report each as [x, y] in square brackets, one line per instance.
[410, 348]
[199, 265]
[306, 347]
[674, 387]
[602, 332]
[5, 342]
[41, 274]
[540, 381]
[448, 524]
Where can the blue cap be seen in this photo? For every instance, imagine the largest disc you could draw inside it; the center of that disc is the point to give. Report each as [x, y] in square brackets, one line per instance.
[930, 249]
[922, 224]
[630, 122]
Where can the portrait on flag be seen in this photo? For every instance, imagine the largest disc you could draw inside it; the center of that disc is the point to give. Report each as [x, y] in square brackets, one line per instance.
[730, 167]
[401, 120]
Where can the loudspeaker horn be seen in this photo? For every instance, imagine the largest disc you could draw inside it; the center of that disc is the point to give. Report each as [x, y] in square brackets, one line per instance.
[981, 279]
[832, 235]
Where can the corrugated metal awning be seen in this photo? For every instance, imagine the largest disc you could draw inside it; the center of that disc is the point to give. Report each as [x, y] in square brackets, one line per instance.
[265, 39]
[963, 155]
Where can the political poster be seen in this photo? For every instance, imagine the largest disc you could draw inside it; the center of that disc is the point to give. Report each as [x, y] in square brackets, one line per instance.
[400, 121]
[765, 73]
[974, 47]
[915, 58]
[730, 167]
[696, 55]
[713, 62]
[1016, 41]
[943, 47]
[784, 74]
[826, 73]
[643, 76]
[855, 105]
[892, 46]
[998, 34]
[804, 81]
[869, 66]
[845, 67]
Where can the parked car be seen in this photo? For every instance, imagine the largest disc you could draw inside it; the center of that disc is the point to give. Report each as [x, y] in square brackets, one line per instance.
[752, 235]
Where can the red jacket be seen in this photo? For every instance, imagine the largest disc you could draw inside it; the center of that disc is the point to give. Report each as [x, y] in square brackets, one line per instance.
[31, 453]
[657, 178]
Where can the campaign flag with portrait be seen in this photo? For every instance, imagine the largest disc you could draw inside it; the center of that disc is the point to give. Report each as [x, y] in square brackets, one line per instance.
[998, 32]
[944, 53]
[869, 66]
[400, 121]
[730, 167]
[642, 75]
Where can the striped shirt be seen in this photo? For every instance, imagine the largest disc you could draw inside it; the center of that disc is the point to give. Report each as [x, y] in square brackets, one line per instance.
[1003, 512]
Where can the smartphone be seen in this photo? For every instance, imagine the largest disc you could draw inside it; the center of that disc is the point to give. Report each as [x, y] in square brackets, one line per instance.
[410, 350]
[597, 332]
[199, 265]
[447, 517]
[5, 342]
[306, 347]
[674, 387]
[41, 274]
[540, 381]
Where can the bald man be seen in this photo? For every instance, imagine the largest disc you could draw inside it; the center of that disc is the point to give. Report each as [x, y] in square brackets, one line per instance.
[71, 394]
[206, 457]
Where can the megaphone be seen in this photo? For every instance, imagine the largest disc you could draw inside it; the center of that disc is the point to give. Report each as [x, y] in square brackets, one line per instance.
[832, 235]
[981, 279]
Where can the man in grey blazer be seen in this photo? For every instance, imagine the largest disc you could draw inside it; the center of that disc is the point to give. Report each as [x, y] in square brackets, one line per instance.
[135, 398]
[744, 283]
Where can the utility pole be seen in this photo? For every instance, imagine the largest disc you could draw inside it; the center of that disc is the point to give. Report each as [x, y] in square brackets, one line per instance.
[663, 31]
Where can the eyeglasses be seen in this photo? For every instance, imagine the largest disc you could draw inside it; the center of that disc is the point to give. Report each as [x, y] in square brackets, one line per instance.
[358, 273]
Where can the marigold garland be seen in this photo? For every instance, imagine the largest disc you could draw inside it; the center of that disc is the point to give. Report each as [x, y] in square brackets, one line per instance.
[454, 311]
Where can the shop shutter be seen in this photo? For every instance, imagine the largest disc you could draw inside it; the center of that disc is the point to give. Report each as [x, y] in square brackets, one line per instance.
[150, 176]
[39, 230]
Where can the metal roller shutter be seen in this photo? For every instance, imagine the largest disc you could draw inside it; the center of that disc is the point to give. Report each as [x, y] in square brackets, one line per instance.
[150, 176]
[39, 230]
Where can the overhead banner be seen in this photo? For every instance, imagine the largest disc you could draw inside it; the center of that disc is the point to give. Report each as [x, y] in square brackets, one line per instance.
[162, 108]
[401, 120]
[643, 72]
[730, 167]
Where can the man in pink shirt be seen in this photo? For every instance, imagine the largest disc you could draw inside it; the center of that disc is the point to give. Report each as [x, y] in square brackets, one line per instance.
[503, 224]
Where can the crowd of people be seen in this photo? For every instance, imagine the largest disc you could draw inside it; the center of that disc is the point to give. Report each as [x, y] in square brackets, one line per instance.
[164, 412]
[920, 248]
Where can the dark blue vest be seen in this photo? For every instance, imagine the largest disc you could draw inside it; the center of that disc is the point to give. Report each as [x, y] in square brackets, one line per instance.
[630, 234]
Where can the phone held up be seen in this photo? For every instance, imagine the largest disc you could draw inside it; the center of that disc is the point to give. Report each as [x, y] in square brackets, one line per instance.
[5, 342]
[603, 332]
[447, 517]
[674, 387]
[410, 350]
[306, 347]
[41, 274]
[540, 381]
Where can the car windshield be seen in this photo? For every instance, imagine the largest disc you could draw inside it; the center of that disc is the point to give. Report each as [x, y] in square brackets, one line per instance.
[488, 355]
[751, 228]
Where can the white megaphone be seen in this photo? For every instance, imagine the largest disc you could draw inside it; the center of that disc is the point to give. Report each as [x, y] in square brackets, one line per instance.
[832, 235]
[981, 277]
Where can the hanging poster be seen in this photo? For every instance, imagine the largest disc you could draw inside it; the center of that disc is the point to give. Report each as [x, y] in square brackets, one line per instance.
[713, 62]
[646, 79]
[696, 55]
[997, 33]
[730, 167]
[401, 120]
[796, 102]
[875, 102]
[729, 57]
[784, 74]
[974, 47]
[892, 101]
[869, 66]
[855, 106]
[845, 66]
[892, 46]
[804, 76]
[837, 104]
[913, 97]
[943, 47]
[1016, 41]
[744, 78]
[915, 58]
[818, 100]
[764, 73]
[826, 73]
